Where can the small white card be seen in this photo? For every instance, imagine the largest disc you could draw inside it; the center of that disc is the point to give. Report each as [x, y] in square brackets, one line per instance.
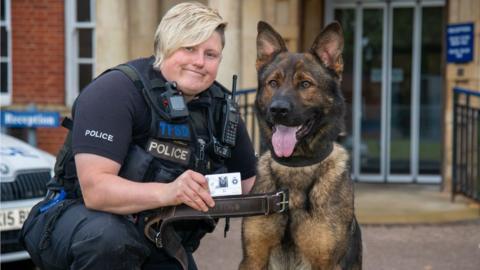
[224, 184]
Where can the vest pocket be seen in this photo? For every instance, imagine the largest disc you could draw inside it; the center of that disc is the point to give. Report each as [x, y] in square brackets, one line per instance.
[136, 165]
[163, 173]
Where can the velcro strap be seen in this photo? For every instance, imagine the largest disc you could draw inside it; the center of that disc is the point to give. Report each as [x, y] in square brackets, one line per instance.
[67, 123]
[228, 206]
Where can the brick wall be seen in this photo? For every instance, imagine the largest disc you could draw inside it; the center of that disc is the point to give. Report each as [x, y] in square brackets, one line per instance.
[51, 139]
[38, 56]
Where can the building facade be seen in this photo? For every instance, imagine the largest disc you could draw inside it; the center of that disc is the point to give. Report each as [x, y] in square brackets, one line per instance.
[397, 81]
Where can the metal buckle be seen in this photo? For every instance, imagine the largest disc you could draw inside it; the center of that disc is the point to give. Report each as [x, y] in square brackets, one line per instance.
[158, 240]
[284, 202]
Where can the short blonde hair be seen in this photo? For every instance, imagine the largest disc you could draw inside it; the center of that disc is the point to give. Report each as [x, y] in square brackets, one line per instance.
[185, 25]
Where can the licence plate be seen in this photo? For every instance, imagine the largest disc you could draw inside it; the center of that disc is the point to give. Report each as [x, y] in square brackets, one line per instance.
[13, 218]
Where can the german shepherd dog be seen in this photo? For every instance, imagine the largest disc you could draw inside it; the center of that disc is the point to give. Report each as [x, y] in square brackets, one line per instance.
[300, 109]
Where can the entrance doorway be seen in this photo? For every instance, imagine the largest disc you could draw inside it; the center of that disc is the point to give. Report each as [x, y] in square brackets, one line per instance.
[393, 88]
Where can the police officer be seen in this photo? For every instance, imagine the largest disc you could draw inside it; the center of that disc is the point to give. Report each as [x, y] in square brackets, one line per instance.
[95, 225]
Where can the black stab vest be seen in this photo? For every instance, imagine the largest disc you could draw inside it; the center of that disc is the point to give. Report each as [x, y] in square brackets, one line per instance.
[140, 165]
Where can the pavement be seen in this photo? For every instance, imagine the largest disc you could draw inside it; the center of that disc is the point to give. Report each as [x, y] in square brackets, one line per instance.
[404, 226]
[410, 204]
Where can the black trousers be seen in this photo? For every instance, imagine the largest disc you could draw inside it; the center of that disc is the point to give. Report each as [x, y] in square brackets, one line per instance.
[74, 237]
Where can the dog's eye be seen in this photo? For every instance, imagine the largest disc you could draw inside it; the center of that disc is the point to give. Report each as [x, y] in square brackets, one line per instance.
[305, 84]
[273, 83]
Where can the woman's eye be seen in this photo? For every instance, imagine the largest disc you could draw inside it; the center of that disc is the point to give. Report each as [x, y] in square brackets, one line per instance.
[305, 84]
[189, 49]
[273, 83]
[211, 55]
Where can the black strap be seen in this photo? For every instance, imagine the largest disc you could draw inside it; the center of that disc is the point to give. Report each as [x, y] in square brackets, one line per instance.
[131, 73]
[67, 123]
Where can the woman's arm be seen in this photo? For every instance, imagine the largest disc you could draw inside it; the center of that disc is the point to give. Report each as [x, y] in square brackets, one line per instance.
[104, 190]
[247, 185]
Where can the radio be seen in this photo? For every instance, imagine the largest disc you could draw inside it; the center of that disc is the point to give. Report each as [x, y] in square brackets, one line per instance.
[231, 117]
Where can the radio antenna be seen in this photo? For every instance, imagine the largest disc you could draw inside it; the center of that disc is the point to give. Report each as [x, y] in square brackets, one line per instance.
[234, 86]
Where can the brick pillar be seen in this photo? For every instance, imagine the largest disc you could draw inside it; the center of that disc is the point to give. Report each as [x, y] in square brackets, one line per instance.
[38, 57]
[38, 51]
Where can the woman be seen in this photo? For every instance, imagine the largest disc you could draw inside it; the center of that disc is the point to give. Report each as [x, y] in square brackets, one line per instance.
[100, 227]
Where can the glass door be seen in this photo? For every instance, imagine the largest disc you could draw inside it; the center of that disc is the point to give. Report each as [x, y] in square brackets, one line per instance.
[392, 82]
[399, 102]
[430, 95]
[372, 94]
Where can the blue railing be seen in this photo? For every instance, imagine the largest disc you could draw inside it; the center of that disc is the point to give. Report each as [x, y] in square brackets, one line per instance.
[466, 144]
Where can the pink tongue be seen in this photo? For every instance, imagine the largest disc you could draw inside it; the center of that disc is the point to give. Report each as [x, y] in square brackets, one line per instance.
[284, 140]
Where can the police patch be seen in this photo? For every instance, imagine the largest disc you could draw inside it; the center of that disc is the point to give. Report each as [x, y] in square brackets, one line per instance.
[169, 151]
[168, 130]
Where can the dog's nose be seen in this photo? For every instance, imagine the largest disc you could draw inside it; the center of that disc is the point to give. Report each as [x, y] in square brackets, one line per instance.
[280, 108]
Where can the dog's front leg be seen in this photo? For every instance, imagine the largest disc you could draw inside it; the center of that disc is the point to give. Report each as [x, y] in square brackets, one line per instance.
[260, 235]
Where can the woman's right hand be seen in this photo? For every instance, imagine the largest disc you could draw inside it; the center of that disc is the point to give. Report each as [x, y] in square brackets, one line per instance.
[191, 188]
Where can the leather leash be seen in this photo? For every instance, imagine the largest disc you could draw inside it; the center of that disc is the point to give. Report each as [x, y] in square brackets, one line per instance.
[228, 206]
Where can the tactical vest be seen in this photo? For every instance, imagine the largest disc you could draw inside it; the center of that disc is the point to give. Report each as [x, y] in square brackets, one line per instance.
[172, 147]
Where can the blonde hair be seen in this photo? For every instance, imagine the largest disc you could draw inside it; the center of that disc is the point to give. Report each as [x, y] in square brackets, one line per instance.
[185, 25]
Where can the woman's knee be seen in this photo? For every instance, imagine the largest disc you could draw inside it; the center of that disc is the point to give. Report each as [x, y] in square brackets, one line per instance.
[108, 236]
[108, 231]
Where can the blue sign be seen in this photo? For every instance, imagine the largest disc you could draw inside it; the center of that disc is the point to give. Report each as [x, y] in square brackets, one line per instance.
[460, 43]
[23, 119]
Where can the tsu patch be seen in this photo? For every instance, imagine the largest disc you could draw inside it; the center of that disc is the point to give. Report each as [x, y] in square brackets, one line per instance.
[171, 131]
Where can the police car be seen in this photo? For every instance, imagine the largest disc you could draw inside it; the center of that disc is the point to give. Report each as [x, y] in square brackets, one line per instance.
[24, 172]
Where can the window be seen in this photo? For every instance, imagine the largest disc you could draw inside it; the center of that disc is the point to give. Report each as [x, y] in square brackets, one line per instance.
[6, 59]
[80, 46]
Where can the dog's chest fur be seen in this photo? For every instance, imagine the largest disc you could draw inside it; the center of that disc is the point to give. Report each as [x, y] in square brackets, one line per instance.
[309, 187]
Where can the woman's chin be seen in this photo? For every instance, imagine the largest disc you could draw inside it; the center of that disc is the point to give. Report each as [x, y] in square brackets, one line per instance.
[192, 88]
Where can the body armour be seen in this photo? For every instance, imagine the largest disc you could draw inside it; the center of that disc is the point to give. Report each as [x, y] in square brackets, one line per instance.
[173, 145]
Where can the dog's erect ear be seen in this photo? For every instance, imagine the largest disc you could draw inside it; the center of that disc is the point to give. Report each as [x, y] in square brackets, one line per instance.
[269, 43]
[328, 46]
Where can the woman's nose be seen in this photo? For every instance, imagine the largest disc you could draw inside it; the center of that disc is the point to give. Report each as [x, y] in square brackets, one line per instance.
[198, 59]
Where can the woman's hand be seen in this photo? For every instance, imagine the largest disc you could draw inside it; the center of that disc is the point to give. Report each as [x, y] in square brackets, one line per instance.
[191, 188]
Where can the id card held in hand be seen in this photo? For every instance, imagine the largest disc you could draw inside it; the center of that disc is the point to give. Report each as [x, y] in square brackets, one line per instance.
[224, 184]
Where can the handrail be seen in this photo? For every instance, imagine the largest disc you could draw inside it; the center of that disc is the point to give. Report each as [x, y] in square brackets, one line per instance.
[466, 144]
[466, 91]
[245, 91]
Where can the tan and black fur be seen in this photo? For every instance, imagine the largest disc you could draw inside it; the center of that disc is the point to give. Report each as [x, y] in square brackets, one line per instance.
[300, 109]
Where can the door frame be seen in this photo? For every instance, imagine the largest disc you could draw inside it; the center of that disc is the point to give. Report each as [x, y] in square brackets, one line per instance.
[387, 39]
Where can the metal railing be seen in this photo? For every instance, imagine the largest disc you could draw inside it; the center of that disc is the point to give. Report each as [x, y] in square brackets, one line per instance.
[466, 144]
[245, 99]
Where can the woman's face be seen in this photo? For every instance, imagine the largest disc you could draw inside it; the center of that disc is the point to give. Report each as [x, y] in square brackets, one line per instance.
[194, 68]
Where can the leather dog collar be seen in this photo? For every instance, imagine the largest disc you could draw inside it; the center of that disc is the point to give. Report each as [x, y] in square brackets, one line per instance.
[301, 161]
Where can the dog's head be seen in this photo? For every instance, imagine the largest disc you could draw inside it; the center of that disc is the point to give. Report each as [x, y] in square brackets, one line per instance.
[299, 103]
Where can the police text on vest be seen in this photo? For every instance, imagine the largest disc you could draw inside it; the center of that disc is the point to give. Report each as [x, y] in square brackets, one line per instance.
[169, 151]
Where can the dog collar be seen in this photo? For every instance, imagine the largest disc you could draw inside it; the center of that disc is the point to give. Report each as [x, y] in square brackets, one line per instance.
[300, 161]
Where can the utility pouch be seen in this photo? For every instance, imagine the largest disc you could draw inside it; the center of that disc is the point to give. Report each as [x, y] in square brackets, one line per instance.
[65, 170]
[141, 166]
[161, 172]
[136, 164]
